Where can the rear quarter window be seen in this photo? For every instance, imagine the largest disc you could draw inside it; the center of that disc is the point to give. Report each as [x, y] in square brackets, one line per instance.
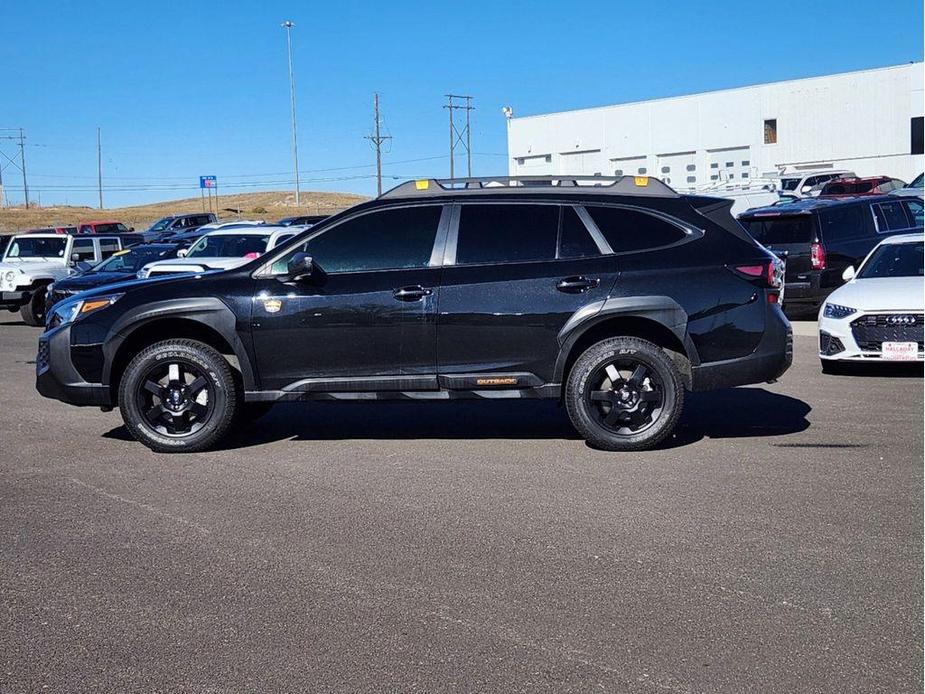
[849, 222]
[629, 230]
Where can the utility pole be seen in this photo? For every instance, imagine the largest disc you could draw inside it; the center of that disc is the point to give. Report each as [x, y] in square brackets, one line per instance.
[377, 139]
[99, 164]
[460, 137]
[287, 25]
[22, 156]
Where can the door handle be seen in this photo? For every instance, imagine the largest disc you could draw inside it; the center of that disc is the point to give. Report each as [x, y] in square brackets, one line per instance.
[577, 285]
[413, 293]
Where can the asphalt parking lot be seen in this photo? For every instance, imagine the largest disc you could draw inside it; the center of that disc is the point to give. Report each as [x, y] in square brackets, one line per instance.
[775, 544]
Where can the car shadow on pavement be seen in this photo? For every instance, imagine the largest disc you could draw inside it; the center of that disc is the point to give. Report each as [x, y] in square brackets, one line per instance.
[731, 413]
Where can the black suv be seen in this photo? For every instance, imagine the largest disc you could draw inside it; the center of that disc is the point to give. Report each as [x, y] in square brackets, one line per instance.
[166, 227]
[821, 237]
[614, 297]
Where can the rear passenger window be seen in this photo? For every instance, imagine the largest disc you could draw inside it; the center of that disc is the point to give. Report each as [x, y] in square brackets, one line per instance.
[890, 216]
[914, 208]
[507, 233]
[108, 247]
[84, 249]
[574, 239]
[631, 230]
[844, 223]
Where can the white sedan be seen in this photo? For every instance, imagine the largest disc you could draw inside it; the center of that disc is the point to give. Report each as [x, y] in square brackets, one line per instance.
[878, 314]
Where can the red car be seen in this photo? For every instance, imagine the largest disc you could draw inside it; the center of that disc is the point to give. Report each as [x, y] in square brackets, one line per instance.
[54, 230]
[849, 187]
[106, 226]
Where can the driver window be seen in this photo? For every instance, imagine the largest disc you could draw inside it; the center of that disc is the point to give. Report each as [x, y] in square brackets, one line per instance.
[389, 239]
[84, 249]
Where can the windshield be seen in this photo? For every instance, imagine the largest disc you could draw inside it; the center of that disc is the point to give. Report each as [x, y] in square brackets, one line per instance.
[894, 260]
[25, 247]
[777, 231]
[229, 246]
[131, 261]
[161, 224]
[789, 183]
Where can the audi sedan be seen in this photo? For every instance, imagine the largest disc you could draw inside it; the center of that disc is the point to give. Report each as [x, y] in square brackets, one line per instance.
[878, 315]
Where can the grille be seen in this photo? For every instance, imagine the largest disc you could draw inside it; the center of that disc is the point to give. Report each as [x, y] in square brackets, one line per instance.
[871, 331]
[41, 357]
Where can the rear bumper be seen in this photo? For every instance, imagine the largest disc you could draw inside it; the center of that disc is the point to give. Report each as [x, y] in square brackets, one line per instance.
[769, 361]
[14, 300]
[56, 377]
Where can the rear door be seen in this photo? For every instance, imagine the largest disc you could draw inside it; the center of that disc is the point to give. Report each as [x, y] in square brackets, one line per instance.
[514, 274]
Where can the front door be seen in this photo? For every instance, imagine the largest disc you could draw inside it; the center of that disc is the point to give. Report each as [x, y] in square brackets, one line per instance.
[367, 323]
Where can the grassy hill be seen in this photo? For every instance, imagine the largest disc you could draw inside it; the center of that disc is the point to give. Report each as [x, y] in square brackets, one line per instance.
[264, 205]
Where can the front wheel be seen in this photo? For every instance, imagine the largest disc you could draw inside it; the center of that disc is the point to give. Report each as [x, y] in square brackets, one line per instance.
[33, 312]
[178, 396]
[624, 394]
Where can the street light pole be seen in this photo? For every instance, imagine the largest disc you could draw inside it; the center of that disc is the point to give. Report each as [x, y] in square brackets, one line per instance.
[287, 25]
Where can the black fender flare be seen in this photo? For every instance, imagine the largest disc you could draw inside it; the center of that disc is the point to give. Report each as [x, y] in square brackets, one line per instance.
[659, 309]
[209, 311]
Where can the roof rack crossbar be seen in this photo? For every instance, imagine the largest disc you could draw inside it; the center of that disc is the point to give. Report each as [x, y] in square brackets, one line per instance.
[610, 185]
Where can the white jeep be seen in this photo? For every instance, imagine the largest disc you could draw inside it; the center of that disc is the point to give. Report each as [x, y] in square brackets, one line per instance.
[33, 261]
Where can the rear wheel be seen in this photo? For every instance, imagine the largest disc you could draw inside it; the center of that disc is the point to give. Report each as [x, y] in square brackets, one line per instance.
[33, 312]
[178, 395]
[624, 394]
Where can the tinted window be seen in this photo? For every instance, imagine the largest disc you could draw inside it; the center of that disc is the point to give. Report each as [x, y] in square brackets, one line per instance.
[229, 246]
[507, 233]
[844, 223]
[630, 230]
[108, 247]
[914, 207]
[894, 260]
[574, 239]
[780, 231]
[83, 248]
[890, 215]
[384, 240]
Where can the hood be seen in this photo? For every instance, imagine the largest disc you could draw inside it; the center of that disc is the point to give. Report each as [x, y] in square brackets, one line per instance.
[197, 264]
[89, 280]
[33, 267]
[881, 294]
[133, 284]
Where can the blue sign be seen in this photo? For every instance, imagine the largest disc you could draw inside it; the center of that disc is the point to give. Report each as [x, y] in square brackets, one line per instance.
[207, 182]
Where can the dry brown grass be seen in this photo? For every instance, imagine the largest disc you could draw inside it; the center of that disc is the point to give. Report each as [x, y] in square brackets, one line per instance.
[276, 204]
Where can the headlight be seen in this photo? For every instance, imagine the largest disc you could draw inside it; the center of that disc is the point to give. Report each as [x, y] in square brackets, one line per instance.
[10, 276]
[71, 310]
[836, 311]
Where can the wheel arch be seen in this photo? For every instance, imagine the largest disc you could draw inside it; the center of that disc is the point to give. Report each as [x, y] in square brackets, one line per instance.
[210, 322]
[660, 320]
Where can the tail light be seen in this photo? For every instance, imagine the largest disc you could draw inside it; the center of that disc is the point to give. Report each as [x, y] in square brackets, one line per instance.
[817, 256]
[769, 274]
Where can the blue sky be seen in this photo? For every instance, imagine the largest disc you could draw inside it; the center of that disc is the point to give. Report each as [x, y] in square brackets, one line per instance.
[183, 88]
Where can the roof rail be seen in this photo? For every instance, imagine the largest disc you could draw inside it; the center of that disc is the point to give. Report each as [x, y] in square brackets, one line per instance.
[609, 185]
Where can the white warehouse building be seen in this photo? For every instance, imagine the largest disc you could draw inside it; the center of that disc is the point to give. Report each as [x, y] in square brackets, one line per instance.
[868, 122]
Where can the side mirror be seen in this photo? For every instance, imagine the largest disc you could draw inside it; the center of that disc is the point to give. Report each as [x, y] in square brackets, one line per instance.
[301, 267]
[182, 252]
[848, 274]
[74, 258]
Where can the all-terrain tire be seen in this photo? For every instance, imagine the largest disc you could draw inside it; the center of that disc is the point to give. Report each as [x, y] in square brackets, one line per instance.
[193, 357]
[33, 312]
[660, 374]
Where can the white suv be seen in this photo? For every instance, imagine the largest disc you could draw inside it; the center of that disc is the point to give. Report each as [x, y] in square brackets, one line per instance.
[222, 250]
[33, 261]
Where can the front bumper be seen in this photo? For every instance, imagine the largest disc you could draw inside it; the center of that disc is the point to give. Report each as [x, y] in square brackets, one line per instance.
[768, 362]
[847, 348]
[15, 299]
[56, 377]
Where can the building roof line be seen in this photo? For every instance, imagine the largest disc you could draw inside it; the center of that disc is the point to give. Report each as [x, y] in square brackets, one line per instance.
[716, 91]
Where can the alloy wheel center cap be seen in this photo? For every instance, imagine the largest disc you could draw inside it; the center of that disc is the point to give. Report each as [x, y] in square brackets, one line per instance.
[175, 398]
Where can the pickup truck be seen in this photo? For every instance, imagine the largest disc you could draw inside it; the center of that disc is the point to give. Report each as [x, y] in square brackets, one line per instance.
[32, 261]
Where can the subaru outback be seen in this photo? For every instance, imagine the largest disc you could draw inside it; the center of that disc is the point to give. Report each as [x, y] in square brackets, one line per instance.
[614, 295]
